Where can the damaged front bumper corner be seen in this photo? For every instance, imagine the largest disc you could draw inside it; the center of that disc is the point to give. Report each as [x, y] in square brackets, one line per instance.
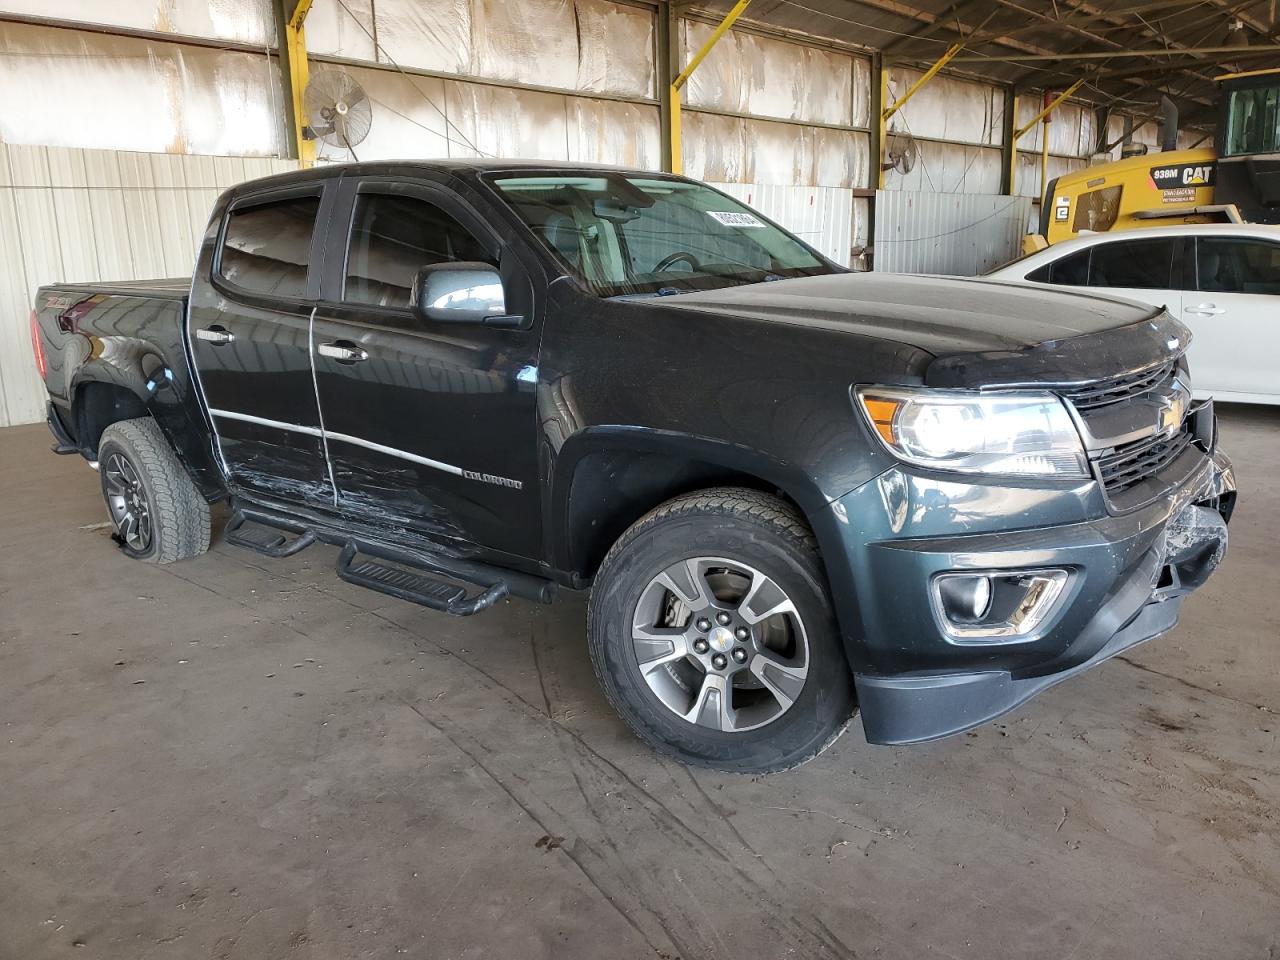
[1130, 575]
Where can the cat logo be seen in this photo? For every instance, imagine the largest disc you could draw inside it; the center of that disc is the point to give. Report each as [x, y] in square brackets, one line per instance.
[1178, 175]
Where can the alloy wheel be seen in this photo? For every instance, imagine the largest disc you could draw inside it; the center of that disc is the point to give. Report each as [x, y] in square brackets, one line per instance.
[127, 501]
[720, 644]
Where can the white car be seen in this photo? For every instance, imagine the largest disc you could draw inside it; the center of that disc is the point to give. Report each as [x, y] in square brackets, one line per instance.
[1221, 280]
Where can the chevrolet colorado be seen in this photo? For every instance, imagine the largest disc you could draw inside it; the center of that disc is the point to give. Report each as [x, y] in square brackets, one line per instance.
[794, 492]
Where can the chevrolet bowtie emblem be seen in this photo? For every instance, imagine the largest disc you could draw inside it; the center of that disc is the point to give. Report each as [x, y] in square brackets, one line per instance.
[1173, 408]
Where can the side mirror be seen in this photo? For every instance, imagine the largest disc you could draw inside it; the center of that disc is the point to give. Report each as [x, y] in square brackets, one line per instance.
[462, 292]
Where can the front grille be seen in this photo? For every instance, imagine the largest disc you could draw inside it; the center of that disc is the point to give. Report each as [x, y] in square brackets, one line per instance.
[1102, 393]
[1131, 463]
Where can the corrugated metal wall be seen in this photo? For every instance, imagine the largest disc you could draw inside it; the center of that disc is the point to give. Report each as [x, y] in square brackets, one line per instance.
[85, 215]
[959, 233]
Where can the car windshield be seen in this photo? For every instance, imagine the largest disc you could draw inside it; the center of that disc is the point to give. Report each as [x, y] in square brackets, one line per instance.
[627, 235]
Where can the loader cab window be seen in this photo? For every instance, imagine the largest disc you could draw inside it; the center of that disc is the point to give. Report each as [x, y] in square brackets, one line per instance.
[1253, 121]
[266, 247]
[393, 235]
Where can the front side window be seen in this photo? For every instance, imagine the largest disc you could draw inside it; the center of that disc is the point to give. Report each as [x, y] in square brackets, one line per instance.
[392, 237]
[1231, 265]
[1138, 264]
[1253, 121]
[266, 248]
[643, 235]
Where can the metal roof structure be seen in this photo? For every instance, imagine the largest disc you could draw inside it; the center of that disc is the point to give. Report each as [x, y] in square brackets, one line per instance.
[1128, 52]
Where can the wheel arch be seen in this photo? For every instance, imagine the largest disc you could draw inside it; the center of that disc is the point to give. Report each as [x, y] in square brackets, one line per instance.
[99, 401]
[606, 478]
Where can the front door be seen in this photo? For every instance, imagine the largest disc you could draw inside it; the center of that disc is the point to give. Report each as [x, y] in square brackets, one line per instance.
[1235, 316]
[431, 427]
[249, 327]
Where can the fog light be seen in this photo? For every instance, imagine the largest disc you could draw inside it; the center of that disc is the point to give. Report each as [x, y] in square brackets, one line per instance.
[996, 606]
[965, 599]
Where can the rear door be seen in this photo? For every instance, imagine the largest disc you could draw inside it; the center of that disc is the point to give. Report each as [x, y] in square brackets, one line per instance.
[431, 427]
[250, 340]
[1235, 315]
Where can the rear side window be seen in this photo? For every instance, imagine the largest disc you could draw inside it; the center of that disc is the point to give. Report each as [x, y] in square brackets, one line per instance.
[1230, 265]
[392, 237]
[1071, 270]
[266, 248]
[1139, 264]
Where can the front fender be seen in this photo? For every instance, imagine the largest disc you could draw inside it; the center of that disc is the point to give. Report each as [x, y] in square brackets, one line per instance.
[604, 478]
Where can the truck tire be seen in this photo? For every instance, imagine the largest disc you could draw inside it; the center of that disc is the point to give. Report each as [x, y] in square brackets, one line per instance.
[156, 511]
[712, 633]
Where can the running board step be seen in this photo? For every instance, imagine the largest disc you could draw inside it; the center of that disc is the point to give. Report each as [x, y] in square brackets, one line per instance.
[264, 540]
[416, 587]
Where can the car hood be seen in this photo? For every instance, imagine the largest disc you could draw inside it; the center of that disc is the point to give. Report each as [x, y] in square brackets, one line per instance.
[980, 332]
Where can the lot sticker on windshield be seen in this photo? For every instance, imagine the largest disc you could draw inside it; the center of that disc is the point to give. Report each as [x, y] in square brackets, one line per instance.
[734, 219]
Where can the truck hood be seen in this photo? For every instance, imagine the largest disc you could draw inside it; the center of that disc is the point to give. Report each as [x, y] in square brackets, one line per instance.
[981, 333]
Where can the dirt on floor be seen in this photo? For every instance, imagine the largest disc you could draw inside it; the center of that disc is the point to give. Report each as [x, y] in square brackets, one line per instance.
[237, 757]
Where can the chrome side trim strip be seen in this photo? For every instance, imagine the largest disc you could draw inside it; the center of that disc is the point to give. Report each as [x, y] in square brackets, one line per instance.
[393, 452]
[329, 435]
[263, 421]
[342, 437]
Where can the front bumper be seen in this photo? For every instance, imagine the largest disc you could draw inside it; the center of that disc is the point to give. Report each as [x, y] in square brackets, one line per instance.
[1129, 575]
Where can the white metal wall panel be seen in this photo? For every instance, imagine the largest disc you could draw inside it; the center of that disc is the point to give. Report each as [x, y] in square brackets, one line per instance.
[242, 21]
[88, 215]
[821, 216]
[950, 168]
[947, 108]
[747, 73]
[961, 234]
[587, 46]
[83, 89]
[725, 149]
[415, 116]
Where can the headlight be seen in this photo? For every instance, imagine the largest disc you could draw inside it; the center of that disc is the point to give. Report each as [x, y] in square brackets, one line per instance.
[1016, 434]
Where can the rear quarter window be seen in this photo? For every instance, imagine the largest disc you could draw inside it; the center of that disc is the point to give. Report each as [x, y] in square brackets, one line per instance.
[266, 247]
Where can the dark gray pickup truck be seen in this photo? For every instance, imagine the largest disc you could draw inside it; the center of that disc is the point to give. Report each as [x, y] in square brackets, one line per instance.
[793, 492]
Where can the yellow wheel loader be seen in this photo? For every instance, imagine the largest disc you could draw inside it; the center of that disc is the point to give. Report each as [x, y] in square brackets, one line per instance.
[1238, 179]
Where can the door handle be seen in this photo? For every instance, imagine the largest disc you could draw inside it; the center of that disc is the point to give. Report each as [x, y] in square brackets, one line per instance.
[1205, 310]
[343, 351]
[215, 334]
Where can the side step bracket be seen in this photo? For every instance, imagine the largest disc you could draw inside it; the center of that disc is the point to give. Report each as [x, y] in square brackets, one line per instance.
[416, 587]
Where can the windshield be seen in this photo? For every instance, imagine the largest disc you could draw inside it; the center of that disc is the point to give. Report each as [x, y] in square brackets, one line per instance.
[1253, 121]
[648, 235]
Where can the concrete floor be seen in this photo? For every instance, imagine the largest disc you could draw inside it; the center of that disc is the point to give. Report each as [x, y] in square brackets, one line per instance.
[237, 757]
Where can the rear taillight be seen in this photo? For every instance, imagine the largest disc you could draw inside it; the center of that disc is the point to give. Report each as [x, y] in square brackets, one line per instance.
[37, 347]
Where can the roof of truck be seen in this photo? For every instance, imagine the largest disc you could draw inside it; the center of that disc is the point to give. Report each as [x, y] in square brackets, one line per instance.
[470, 167]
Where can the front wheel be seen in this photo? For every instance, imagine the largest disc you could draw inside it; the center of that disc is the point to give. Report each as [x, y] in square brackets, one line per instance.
[156, 511]
[712, 634]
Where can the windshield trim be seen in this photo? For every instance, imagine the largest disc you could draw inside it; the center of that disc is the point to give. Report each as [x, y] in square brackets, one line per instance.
[489, 178]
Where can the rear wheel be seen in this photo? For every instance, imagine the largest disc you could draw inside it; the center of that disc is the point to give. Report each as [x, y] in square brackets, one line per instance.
[156, 511]
[712, 634]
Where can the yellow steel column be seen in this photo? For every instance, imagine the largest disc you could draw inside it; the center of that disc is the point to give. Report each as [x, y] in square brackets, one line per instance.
[673, 92]
[1013, 150]
[296, 40]
[1044, 155]
[884, 93]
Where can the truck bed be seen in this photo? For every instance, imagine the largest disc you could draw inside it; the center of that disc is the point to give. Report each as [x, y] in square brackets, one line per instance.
[169, 288]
